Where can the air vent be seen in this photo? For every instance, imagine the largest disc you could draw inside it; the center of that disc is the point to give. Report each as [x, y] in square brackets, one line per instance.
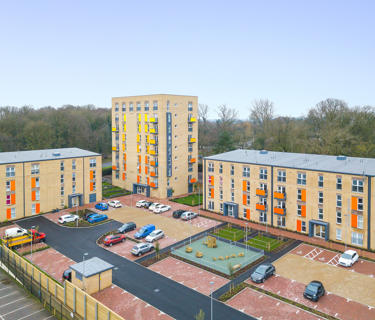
[263, 152]
[341, 157]
[56, 154]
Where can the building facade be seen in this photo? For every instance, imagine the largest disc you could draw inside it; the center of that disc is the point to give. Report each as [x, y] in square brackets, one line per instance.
[155, 144]
[43, 180]
[322, 196]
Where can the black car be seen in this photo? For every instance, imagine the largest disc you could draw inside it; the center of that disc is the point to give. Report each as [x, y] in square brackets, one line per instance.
[314, 290]
[147, 204]
[263, 272]
[87, 215]
[177, 214]
[126, 227]
[67, 275]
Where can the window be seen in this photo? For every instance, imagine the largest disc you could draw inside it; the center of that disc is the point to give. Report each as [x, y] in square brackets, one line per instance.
[190, 148]
[281, 221]
[232, 183]
[247, 186]
[248, 199]
[232, 170]
[147, 106]
[221, 207]
[92, 163]
[263, 217]
[13, 213]
[37, 182]
[303, 226]
[190, 106]
[221, 194]
[73, 177]
[211, 192]
[94, 174]
[232, 196]
[299, 194]
[7, 186]
[320, 214]
[190, 127]
[244, 212]
[281, 189]
[116, 107]
[338, 234]
[320, 181]
[73, 188]
[263, 186]
[10, 171]
[138, 106]
[338, 183]
[62, 179]
[338, 217]
[8, 199]
[357, 185]
[359, 221]
[360, 204]
[211, 167]
[35, 168]
[37, 195]
[357, 238]
[220, 168]
[263, 201]
[155, 105]
[338, 200]
[33, 209]
[299, 210]
[131, 106]
[61, 165]
[230, 211]
[246, 172]
[281, 176]
[263, 174]
[74, 163]
[62, 190]
[321, 198]
[210, 205]
[301, 178]
[123, 107]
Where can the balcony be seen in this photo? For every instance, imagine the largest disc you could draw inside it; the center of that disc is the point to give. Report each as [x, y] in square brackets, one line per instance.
[280, 211]
[153, 152]
[153, 131]
[192, 140]
[153, 142]
[154, 120]
[261, 193]
[153, 174]
[114, 129]
[192, 119]
[260, 207]
[193, 180]
[192, 160]
[114, 149]
[153, 163]
[114, 168]
[153, 185]
[279, 195]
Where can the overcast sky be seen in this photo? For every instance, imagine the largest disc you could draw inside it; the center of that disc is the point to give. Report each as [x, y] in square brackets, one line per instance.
[295, 53]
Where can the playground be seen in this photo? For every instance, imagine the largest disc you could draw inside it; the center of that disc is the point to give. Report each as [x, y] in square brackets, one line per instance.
[226, 257]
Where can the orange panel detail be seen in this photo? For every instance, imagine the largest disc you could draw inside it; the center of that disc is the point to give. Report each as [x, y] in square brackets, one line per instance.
[139, 159]
[193, 180]
[354, 203]
[299, 225]
[212, 181]
[248, 214]
[278, 195]
[33, 182]
[13, 198]
[91, 186]
[125, 166]
[124, 156]
[303, 211]
[9, 214]
[279, 211]
[148, 180]
[146, 170]
[13, 185]
[244, 185]
[244, 199]
[123, 176]
[146, 159]
[37, 208]
[33, 195]
[354, 221]
[259, 206]
[114, 167]
[260, 192]
[303, 195]
[138, 179]
[91, 174]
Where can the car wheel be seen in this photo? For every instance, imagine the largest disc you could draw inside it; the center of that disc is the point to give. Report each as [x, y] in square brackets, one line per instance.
[122, 240]
[110, 244]
[139, 254]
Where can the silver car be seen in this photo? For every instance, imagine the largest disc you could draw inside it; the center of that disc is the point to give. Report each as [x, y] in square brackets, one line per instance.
[141, 248]
[155, 235]
[188, 215]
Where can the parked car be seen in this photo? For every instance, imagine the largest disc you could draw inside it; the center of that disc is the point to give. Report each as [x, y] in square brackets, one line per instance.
[155, 235]
[154, 206]
[68, 218]
[314, 290]
[88, 215]
[114, 204]
[101, 206]
[113, 239]
[262, 273]
[15, 232]
[140, 203]
[162, 208]
[141, 248]
[144, 231]
[67, 275]
[97, 218]
[348, 258]
[147, 204]
[188, 215]
[126, 227]
[177, 214]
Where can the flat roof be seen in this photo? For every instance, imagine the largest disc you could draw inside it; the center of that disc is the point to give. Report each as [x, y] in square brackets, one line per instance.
[155, 94]
[91, 267]
[42, 155]
[303, 161]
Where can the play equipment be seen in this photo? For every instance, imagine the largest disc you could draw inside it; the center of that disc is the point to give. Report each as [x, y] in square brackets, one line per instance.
[189, 249]
[236, 266]
[210, 242]
[199, 254]
[241, 254]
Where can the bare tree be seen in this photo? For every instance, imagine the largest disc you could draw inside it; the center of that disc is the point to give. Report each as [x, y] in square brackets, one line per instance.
[227, 117]
[203, 113]
[261, 112]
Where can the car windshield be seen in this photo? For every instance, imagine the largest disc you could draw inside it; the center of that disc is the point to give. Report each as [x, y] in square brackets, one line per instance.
[312, 287]
[135, 247]
[153, 233]
[261, 269]
[142, 230]
[346, 256]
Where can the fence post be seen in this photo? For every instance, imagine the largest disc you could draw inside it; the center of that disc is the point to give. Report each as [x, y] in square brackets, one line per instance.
[74, 299]
[47, 284]
[109, 315]
[64, 292]
[84, 306]
[96, 311]
[40, 286]
[55, 290]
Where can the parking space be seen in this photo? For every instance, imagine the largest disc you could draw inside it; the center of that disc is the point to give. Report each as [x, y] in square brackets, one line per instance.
[265, 307]
[189, 275]
[127, 305]
[332, 258]
[15, 304]
[52, 262]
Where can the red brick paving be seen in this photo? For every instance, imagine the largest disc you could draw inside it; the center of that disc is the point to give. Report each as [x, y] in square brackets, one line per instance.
[188, 275]
[330, 304]
[127, 305]
[265, 307]
[331, 257]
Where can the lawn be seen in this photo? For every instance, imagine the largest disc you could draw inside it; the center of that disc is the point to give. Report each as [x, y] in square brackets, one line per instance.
[190, 200]
[230, 233]
[110, 191]
[264, 243]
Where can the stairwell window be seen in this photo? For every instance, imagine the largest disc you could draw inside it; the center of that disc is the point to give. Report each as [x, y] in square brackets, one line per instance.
[320, 181]
[357, 185]
[232, 170]
[338, 200]
[35, 168]
[10, 171]
[301, 178]
[338, 234]
[338, 183]
[211, 167]
[263, 174]
[320, 214]
[281, 176]
[246, 172]
[220, 168]
[321, 198]
[338, 217]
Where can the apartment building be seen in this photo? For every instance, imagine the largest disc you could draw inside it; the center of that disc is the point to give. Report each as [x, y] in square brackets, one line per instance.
[330, 197]
[155, 144]
[43, 180]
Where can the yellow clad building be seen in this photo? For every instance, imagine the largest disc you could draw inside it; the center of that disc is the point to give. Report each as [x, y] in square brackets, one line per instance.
[39, 181]
[155, 144]
[329, 197]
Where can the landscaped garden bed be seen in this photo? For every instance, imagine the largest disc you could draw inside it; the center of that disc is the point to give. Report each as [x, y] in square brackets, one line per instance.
[190, 200]
[110, 191]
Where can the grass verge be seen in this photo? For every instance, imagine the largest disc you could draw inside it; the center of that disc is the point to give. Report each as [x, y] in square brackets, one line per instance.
[230, 233]
[264, 243]
[190, 200]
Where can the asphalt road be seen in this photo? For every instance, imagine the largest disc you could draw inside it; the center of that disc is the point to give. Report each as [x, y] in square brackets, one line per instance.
[174, 299]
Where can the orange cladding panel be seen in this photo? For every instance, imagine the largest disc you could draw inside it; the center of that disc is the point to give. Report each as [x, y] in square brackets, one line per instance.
[138, 179]
[33, 182]
[244, 199]
[37, 208]
[33, 195]
[91, 174]
[303, 195]
[248, 214]
[299, 225]
[91, 186]
[354, 221]
[303, 211]
[9, 214]
[212, 180]
[13, 198]
[244, 185]
[354, 203]
[13, 185]
[123, 176]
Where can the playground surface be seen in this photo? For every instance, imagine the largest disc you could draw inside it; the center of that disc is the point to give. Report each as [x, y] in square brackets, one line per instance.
[219, 258]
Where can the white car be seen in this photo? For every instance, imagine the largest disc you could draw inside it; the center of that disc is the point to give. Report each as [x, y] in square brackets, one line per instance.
[68, 218]
[162, 208]
[140, 203]
[114, 204]
[348, 258]
[154, 206]
[155, 235]
[188, 215]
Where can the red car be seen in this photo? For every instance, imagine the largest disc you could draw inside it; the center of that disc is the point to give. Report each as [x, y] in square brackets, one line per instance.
[114, 238]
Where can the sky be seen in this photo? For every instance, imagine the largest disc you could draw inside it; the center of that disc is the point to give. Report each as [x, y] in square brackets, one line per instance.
[295, 53]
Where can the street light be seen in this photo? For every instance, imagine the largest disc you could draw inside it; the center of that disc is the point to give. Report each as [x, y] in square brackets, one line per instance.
[211, 284]
[83, 274]
[246, 238]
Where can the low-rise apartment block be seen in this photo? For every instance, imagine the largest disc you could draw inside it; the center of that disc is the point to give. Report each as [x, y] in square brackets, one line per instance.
[155, 144]
[43, 180]
[330, 197]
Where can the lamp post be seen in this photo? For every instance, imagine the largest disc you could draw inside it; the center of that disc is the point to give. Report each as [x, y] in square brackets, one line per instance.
[83, 274]
[246, 238]
[32, 239]
[211, 284]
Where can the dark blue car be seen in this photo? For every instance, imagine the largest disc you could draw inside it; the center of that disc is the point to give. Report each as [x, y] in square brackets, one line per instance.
[97, 218]
[101, 206]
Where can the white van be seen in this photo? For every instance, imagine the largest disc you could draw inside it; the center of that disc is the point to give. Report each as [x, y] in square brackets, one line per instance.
[15, 232]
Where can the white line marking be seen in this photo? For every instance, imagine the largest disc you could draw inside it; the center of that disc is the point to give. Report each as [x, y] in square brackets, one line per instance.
[14, 292]
[3, 305]
[20, 308]
[30, 314]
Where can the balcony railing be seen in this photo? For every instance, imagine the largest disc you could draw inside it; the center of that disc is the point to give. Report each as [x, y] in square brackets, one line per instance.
[154, 120]
[280, 211]
[153, 163]
[260, 207]
[192, 140]
[153, 141]
[153, 185]
[193, 180]
[193, 160]
[192, 119]
[153, 131]
[261, 193]
[279, 195]
[153, 174]
[153, 152]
